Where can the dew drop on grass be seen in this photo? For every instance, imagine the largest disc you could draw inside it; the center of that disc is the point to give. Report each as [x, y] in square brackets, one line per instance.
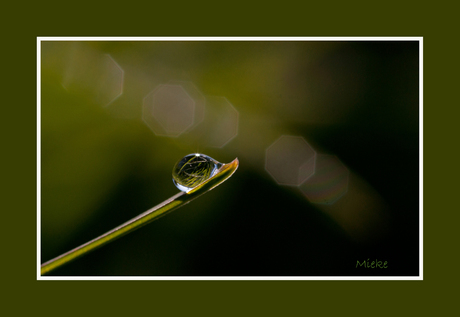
[194, 169]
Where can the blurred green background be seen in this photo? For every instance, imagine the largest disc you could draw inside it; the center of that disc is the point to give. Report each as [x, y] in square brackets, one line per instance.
[102, 163]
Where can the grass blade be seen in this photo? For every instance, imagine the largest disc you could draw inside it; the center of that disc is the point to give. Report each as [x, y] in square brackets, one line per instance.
[176, 201]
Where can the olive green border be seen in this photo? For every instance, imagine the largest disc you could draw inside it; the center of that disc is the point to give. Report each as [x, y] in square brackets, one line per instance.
[25, 293]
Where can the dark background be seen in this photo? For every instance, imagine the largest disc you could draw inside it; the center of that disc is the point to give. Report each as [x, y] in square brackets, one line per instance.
[101, 165]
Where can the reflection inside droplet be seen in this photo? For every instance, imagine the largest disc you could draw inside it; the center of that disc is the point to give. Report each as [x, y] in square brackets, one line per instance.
[194, 169]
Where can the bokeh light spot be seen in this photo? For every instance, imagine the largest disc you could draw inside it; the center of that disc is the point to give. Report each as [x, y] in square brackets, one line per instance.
[329, 183]
[198, 98]
[111, 81]
[222, 121]
[94, 75]
[168, 110]
[290, 160]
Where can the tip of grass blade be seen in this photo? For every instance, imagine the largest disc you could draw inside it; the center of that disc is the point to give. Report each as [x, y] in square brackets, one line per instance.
[222, 175]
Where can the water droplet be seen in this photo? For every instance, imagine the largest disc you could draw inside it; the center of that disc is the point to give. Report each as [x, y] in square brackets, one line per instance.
[194, 169]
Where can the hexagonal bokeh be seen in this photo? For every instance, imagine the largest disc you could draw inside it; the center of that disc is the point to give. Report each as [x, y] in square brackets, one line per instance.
[168, 110]
[110, 85]
[290, 160]
[93, 74]
[329, 183]
[221, 121]
[197, 96]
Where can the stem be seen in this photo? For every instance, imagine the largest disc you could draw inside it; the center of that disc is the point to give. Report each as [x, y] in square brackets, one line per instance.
[135, 223]
[146, 217]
